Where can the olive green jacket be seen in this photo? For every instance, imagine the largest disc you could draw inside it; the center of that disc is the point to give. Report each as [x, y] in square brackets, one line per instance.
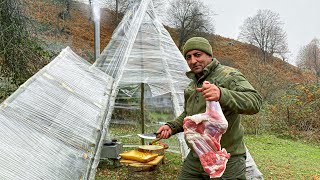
[237, 97]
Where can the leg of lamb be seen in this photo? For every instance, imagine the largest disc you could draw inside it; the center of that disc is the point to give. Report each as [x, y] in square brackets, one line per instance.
[203, 132]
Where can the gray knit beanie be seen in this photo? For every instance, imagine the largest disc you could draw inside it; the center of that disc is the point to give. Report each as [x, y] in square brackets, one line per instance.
[198, 43]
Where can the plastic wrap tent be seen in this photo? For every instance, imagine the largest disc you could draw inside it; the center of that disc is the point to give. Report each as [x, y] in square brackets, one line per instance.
[141, 52]
[51, 126]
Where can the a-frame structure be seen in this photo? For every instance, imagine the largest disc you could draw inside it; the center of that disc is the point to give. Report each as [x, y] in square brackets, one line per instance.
[142, 52]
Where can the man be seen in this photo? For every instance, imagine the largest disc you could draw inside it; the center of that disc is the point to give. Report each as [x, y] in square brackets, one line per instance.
[235, 95]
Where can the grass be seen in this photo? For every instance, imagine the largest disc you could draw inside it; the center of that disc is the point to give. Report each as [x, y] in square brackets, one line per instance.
[284, 158]
[276, 158]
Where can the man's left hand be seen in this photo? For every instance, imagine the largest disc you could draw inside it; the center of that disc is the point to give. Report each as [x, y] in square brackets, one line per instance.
[210, 91]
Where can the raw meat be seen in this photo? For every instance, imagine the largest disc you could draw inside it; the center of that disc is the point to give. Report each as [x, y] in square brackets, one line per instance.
[203, 132]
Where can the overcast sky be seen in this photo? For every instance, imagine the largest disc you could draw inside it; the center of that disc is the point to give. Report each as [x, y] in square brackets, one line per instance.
[301, 18]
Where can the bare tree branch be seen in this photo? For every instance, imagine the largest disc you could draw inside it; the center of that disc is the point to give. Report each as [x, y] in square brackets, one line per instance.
[190, 17]
[309, 57]
[265, 31]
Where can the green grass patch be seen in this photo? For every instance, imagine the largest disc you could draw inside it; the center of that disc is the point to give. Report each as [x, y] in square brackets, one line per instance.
[284, 158]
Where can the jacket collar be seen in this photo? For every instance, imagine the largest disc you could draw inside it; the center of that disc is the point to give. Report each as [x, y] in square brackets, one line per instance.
[210, 67]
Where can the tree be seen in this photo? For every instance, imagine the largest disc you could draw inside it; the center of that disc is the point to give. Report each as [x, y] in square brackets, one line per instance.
[20, 53]
[265, 31]
[66, 12]
[309, 57]
[119, 7]
[159, 6]
[264, 77]
[190, 17]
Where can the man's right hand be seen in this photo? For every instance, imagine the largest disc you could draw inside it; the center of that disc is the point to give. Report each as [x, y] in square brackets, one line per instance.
[164, 132]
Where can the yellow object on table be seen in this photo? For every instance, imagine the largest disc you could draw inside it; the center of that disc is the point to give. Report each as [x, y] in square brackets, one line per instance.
[156, 161]
[138, 156]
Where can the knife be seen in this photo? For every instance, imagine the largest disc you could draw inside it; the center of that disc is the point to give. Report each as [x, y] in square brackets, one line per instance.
[148, 135]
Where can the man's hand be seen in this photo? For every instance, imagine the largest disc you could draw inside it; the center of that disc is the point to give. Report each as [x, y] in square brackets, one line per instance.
[210, 91]
[164, 132]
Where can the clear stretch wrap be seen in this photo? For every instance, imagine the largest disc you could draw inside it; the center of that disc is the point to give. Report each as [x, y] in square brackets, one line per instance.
[49, 127]
[142, 53]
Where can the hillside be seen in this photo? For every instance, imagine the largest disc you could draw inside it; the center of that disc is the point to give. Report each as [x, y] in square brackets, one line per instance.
[76, 31]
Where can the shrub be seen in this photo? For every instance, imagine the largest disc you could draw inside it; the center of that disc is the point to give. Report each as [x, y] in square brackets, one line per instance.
[297, 113]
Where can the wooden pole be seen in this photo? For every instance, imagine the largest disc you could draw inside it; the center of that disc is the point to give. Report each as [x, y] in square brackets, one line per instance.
[142, 111]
